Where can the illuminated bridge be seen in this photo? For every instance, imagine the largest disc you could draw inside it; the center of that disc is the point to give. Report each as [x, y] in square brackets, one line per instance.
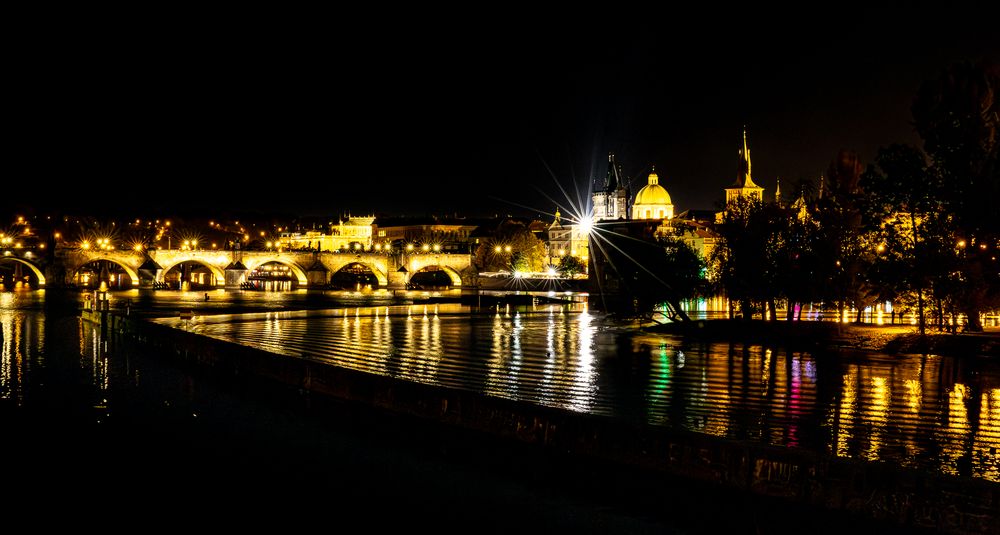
[233, 269]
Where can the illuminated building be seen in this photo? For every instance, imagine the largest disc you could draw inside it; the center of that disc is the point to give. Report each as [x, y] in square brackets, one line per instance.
[744, 185]
[652, 201]
[611, 201]
[566, 240]
[356, 231]
[450, 234]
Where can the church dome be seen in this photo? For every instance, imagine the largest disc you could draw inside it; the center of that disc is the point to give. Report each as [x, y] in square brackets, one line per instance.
[653, 192]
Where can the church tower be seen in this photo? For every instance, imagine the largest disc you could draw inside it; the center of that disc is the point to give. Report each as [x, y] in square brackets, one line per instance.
[744, 185]
[611, 200]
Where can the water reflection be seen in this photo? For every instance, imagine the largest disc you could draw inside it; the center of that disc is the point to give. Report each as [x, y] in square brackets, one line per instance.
[21, 338]
[930, 412]
[916, 411]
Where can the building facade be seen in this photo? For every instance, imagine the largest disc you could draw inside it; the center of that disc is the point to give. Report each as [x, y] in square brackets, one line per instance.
[355, 233]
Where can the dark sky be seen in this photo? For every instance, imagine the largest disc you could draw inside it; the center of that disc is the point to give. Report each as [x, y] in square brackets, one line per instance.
[422, 114]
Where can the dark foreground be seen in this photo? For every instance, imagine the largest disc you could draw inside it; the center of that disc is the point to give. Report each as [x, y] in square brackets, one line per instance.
[188, 449]
[116, 434]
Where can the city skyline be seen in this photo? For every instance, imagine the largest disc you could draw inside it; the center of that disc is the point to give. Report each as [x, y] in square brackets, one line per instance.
[474, 120]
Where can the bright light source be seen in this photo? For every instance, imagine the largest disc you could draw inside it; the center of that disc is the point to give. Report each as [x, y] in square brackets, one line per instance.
[586, 224]
[518, 274]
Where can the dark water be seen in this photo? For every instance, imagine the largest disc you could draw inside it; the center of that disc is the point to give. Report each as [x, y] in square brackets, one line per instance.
[103, 434]
[928, 412]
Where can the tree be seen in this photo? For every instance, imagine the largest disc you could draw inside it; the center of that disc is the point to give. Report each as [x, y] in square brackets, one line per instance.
[513, 248]
[844, 252]
[903, 198]
[744, 261]
[798, 261]
[958, 116]
[570, 265]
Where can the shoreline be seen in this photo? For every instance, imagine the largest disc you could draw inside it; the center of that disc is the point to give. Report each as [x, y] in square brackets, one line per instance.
[889, 339]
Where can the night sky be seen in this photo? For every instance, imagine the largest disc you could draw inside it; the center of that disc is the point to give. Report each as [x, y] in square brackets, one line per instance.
[423, 115]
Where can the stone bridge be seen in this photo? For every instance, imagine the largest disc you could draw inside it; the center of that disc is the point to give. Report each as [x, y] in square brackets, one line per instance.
[230, 268]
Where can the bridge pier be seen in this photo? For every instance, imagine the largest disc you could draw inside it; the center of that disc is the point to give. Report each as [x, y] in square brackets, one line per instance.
[398, 278]
[318, 276]
[235, 275]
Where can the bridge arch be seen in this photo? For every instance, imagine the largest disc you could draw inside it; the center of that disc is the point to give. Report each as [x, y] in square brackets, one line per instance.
[299, 273]
[380, 275]
[128, 270]
[453, 274]
[34, 269]
[220, 276]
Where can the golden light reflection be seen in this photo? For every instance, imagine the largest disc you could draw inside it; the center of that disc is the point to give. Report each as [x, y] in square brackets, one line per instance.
[10, 358]
[718, 403]
[953, 443]
[498, 352]
[877, 416]
[581, 396]
[846, 408]
[914, 393]
[778, 396]
[986, 442]
[765, 374]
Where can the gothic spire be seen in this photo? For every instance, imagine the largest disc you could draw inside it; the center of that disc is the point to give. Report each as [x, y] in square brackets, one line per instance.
[743, 178]
[611, 182]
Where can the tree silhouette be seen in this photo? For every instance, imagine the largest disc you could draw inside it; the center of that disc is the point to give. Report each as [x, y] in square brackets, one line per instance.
[957, 116]
[902, 200]
[746, 257]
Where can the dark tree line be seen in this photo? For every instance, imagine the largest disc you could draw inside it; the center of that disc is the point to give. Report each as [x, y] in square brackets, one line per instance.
[916, 227]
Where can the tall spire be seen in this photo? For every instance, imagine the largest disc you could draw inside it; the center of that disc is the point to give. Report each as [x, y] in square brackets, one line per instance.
[746, 150]
[743, 178]
[777, 193]
[611, 182]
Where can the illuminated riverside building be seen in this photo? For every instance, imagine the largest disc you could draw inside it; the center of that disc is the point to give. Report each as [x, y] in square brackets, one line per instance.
[350, 234]
[448, 234]
[571, 239]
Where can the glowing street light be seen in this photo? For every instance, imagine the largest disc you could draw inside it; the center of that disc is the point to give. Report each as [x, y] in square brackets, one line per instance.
[586, 224]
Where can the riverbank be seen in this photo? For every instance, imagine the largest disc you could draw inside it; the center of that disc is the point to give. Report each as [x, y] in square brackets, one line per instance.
[891, 339]
[791, 478]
